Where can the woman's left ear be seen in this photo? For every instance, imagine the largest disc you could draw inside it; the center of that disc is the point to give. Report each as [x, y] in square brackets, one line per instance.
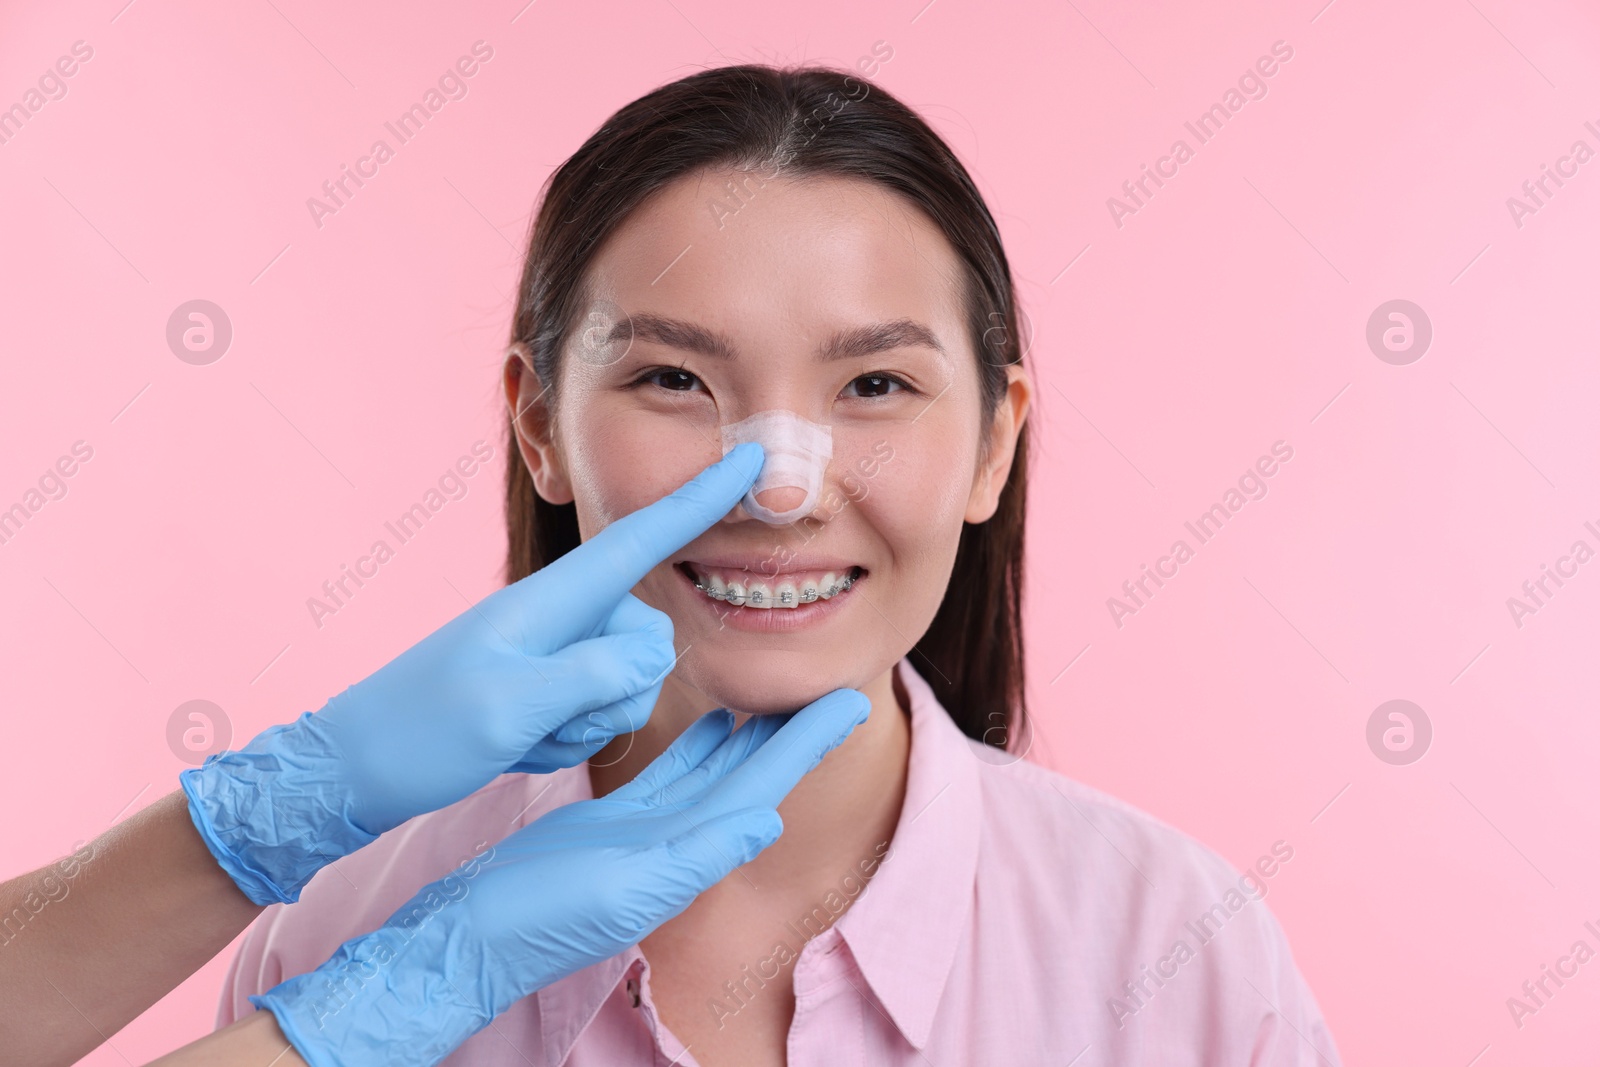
[1009, 416]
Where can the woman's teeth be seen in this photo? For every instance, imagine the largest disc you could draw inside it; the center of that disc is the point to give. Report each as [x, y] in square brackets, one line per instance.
[786, 592]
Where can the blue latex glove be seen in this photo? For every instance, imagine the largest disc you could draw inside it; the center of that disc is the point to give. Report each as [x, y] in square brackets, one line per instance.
[576, 886]
[538, 675]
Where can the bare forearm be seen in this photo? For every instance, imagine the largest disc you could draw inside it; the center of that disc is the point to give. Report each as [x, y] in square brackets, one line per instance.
[89, 943]
[254, 1041]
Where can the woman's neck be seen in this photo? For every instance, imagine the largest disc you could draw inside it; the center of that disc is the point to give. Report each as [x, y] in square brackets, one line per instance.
[748, 929]
[843, 810]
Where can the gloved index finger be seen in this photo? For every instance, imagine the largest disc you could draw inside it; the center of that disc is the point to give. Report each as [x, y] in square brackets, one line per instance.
[585, 584]
[767, 775]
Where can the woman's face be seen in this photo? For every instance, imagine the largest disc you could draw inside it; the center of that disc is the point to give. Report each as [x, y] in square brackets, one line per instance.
[828, 297]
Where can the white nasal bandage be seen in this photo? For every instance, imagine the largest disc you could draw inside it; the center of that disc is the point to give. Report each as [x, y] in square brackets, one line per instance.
[797, 451]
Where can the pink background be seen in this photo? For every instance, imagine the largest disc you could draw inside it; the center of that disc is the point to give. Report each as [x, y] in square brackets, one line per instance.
[1228, 313]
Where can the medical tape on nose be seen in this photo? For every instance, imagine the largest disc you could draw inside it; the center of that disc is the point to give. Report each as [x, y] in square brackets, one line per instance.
[797, 451]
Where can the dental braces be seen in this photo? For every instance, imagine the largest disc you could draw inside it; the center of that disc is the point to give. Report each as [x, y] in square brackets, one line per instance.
[755, 598]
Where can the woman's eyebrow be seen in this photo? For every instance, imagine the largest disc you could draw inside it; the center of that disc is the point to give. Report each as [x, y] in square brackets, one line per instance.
[846, 344]
[879, 337]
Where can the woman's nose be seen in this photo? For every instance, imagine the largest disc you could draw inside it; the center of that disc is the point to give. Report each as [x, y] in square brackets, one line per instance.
[795, 466]
[779, 499]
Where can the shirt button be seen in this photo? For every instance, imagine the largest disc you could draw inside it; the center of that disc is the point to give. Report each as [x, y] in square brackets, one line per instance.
[633, 992]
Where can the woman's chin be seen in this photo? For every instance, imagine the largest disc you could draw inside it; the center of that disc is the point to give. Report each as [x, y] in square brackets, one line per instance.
[757, 688]
[751, 700]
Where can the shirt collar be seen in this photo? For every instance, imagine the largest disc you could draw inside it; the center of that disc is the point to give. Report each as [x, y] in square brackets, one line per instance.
[569, 1005]
[921, 893]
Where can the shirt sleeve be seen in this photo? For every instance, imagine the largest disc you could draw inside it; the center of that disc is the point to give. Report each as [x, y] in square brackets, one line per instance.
[1291, 1032]
[255, 968]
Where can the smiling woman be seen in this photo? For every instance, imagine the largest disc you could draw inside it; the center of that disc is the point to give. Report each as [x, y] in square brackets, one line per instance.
[995, 909]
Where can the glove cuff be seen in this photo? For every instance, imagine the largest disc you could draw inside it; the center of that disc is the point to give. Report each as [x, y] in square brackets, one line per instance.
[388, 995]
[275, 812]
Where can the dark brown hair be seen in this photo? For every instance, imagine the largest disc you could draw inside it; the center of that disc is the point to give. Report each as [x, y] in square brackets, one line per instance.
[805, 121]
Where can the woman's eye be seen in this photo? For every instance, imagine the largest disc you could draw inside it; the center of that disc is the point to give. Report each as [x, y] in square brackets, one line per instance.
[677, 381]
[870, 385]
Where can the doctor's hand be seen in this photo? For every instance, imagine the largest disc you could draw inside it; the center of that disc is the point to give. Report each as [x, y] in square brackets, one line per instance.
[572, 888]
[538, 675]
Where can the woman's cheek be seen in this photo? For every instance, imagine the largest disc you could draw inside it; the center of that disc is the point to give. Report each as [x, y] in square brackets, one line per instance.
[863, 462]
[620, 465]
[903, 475]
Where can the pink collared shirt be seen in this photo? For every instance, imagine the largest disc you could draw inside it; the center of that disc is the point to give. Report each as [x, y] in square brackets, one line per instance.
[1019, 917]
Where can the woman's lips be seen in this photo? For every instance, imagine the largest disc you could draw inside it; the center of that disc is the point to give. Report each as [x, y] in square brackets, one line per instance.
[741, 614]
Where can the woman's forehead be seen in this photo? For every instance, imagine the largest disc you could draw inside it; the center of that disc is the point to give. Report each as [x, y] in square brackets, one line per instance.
[795, 250]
